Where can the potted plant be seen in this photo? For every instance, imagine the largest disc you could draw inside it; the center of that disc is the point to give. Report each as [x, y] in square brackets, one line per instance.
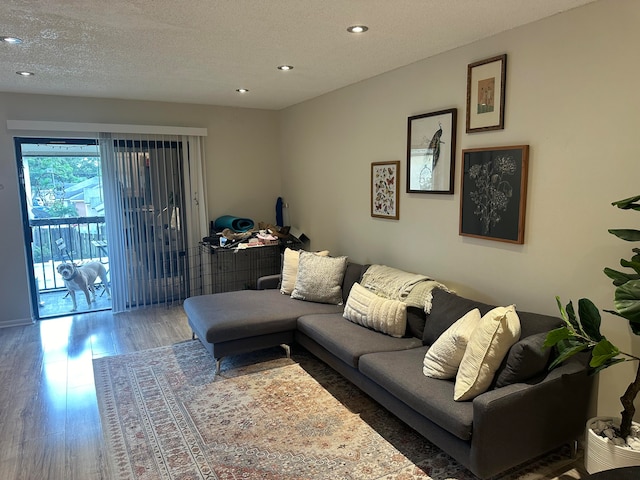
[581, 331]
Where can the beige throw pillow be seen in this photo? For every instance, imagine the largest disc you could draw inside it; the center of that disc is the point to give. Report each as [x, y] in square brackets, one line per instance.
[369, 310]
[444, 356]
[319, 278]
[290, 269]
[490, 342]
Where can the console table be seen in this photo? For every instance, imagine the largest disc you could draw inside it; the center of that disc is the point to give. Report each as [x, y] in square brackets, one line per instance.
[226, 270]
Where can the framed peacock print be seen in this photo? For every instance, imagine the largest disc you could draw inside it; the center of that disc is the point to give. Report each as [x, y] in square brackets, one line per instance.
[494, 193]
[385, 189]
[431, 148]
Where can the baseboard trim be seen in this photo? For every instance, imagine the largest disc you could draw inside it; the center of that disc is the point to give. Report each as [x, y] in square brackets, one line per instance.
[16, 322]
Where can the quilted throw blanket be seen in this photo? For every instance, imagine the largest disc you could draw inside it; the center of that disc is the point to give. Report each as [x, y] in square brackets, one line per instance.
[411, 288]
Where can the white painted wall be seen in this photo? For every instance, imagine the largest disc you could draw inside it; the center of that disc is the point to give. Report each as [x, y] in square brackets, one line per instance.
[572, 95]
[242, 153]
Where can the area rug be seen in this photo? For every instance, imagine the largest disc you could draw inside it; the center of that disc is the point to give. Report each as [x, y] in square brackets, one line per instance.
[166, 415]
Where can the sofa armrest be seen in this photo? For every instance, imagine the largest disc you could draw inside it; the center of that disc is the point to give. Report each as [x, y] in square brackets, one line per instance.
[268, 282]
[521, 421]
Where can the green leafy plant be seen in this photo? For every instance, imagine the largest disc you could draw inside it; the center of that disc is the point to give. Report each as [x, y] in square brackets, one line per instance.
[581, 332]
[627, 294]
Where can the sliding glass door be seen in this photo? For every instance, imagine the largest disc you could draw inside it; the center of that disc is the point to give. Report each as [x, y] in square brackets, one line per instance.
[63, 212]
[135, 203]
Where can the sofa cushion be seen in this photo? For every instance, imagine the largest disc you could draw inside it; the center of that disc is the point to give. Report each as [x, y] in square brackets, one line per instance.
[319, 278]
[246, 313]
[446, 309]
[497, 331]
[444, 356]
[347, 340]
[526, 359]
[400, 373]
[416, 319]
[369, 310]
[352, 274]
[532, 323]
[290, 260]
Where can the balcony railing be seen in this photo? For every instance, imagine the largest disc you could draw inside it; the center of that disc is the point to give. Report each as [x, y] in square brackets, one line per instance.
[65, 239]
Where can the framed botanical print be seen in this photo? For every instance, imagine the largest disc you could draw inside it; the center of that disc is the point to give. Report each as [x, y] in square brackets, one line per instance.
[494, 193]
[385, 189]
[486, 81]
[431, 147]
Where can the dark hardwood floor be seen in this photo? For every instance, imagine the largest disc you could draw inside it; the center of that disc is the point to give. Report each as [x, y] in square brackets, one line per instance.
[49, 420]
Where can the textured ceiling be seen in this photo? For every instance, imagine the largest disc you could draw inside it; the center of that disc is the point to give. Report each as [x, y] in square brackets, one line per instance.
[200, 51]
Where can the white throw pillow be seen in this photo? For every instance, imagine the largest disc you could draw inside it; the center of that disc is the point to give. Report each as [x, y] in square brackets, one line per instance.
[369, 310]
[319, 278]
[490, 342]
[444, 356]
[290, 269]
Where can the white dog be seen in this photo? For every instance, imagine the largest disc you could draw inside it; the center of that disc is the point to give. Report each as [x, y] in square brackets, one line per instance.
[81, 278]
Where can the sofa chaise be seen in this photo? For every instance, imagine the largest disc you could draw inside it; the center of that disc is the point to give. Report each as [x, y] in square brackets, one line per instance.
[525, 412]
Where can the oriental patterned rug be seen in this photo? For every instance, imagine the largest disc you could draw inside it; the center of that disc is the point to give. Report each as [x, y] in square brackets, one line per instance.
[165, 415]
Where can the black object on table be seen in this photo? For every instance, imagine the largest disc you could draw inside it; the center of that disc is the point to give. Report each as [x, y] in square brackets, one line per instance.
[624, 473]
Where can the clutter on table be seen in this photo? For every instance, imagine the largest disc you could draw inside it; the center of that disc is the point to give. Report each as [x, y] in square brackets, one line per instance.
[230, 232]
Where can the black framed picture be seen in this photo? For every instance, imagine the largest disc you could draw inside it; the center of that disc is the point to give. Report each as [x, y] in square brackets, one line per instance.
[431, 147]
[486, 82]
[494, 193]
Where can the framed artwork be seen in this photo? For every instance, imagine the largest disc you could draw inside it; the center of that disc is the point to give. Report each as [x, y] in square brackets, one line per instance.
[494, 193]
[431, 147]
[485, 94]
[384, 189]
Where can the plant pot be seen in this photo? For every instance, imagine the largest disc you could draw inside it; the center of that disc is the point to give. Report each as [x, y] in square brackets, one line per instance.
[600, 454]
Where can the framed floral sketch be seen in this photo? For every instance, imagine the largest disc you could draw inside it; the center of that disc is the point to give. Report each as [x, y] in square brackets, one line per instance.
[384, 189]
[431, 147]
[486, 81]
[494, 193]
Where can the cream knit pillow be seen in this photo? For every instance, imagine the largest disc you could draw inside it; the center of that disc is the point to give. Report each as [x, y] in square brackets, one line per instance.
[369, 310]
[444, 356]
[490, 342]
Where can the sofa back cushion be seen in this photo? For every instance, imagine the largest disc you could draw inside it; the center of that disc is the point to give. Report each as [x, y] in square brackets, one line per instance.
[352, 274]
[525, 359]
[528, 358]
[446, 309]
[416, 320]
[533, 323]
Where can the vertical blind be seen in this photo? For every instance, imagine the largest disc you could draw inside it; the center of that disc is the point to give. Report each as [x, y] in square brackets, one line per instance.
[155, 211]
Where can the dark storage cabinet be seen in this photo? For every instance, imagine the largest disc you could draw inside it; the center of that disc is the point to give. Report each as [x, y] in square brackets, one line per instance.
[226, 270]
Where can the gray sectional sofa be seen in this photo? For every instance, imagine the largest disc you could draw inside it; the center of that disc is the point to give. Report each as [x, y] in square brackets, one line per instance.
[527, 412]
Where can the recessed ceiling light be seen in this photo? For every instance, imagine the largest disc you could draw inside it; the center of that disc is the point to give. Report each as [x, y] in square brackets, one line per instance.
[242, 90]
[357, 29]
[26, 74]
[11, 40]
[284, 68]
